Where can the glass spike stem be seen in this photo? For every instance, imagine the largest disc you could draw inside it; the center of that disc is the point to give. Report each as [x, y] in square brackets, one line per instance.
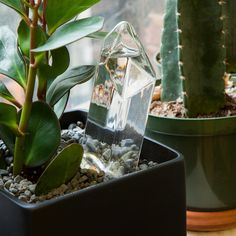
[119, 105]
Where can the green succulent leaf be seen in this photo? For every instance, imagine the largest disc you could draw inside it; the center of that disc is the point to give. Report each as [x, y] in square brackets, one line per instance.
[17, 5]
[43, 135]
[11, 64]
[24, 38]
[98, 35]
[6, 94]
[47, 73]
[60, 106]
[63, 83]
[8, 117]
[72, 32]
[61, 169]
[60, 12]
[60, 61]
[44, 75]
[8, 137]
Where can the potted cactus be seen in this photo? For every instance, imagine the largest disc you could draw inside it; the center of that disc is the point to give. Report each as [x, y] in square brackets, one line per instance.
[197, 57]
[31, 131]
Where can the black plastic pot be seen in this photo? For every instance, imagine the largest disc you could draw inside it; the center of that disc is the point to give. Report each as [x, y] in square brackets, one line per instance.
[208, 146]
[149, 202]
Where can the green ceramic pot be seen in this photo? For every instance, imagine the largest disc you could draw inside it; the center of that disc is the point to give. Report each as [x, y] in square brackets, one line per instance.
[209, 149]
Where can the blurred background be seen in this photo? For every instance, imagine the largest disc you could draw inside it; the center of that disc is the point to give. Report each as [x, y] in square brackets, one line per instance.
[146, 17]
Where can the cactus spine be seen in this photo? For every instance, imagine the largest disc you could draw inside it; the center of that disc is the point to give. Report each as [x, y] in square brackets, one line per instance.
[206, 33]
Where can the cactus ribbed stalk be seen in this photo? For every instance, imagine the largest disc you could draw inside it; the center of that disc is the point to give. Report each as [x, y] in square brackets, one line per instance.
[230, 31]
[171, 85]
[202, 55]
[205, 29]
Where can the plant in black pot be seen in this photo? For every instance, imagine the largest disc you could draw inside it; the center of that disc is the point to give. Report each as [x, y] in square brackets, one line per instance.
[32, 161]
[196, 114]
[33, 133]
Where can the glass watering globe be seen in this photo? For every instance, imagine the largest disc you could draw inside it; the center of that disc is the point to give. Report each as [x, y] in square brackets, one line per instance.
[119, 106]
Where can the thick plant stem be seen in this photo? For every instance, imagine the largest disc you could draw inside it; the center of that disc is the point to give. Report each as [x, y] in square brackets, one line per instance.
[42, 88]
[171, 82]
[26, 110]
[44, 15]
[229, 7]
[202, 55]
[25, 115]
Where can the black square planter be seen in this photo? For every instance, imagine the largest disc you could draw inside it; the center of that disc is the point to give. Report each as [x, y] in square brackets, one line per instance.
[148, 202]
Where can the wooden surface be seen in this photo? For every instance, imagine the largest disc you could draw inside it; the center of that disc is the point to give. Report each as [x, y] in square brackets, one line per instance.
[220, 233]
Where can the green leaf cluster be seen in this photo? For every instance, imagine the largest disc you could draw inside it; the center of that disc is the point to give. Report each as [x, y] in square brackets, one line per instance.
[37, 59]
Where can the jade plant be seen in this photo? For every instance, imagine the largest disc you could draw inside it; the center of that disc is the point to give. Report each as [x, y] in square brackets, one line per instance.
[37, 59]
[198, 50]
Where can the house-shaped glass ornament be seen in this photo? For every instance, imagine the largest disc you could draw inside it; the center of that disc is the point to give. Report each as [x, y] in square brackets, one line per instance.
[119, 106]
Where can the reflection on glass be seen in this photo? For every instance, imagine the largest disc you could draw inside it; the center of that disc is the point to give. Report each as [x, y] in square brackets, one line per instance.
[119, 105]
